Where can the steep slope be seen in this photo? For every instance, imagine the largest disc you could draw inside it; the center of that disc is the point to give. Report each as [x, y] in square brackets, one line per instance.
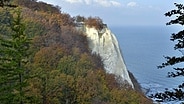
[60, 64]
[106, 45]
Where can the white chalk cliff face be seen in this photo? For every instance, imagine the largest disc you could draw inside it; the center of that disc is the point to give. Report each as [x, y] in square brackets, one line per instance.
[106, 45]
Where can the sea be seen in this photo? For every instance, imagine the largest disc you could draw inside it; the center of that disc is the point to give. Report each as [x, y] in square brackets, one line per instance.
[143, 49]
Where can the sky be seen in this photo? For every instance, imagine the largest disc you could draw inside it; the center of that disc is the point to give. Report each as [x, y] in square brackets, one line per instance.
[120, 12]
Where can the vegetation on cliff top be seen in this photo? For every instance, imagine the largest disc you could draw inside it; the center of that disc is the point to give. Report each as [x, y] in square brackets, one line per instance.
[45, 60]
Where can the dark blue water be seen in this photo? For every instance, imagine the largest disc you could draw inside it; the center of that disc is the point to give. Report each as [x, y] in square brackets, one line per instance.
[143, 49]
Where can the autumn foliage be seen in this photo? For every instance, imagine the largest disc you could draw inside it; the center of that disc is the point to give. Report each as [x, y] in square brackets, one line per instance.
[61, 67]
[95, 22]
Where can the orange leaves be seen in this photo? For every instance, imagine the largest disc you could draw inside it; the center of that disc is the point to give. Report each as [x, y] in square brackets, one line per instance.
[127, 97]
[38, 6]
[87, 88]
[48, 57]
[61, 66]
[90, 87]
[95, 22]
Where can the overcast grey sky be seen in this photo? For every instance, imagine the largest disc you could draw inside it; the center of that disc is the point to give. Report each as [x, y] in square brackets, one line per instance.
[120, 12]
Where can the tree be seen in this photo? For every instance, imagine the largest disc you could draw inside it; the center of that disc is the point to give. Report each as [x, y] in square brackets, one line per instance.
[13, 57]
[6, 3]
[176, 93]
[95, 22]
[79, 18]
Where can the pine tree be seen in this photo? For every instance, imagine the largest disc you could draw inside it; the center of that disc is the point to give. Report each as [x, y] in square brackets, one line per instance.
[13, 57]
[176, 93]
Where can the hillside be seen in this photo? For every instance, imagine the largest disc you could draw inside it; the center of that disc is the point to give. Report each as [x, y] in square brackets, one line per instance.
[44, 59]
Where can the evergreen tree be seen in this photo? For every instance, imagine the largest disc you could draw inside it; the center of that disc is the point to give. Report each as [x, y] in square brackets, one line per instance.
[13, 57]
[6, 3]
[176, 93]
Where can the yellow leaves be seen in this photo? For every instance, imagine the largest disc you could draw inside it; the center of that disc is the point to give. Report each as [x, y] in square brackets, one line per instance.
[66, 71]
[73, 78]
[91, 87]
[67, 65]
[87, 88]
[76, 65]
[127, 97]
[48, 57]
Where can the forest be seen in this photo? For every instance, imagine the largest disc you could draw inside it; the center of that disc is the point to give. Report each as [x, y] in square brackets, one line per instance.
[45, 60]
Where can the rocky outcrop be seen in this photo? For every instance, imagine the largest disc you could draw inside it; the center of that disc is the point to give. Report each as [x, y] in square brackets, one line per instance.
[105, 44]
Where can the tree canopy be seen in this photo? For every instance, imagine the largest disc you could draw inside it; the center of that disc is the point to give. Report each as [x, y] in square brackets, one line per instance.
[56, 66]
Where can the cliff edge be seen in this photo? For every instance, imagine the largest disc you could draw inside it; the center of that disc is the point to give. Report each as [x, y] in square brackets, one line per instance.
[105, 44]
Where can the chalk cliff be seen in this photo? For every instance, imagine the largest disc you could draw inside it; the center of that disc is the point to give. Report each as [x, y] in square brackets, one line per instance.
[105, 44]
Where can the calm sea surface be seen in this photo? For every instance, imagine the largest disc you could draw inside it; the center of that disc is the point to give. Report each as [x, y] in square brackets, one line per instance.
[143, 49]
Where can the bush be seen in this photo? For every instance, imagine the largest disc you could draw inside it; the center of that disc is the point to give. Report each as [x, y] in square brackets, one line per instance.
[95, 22]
